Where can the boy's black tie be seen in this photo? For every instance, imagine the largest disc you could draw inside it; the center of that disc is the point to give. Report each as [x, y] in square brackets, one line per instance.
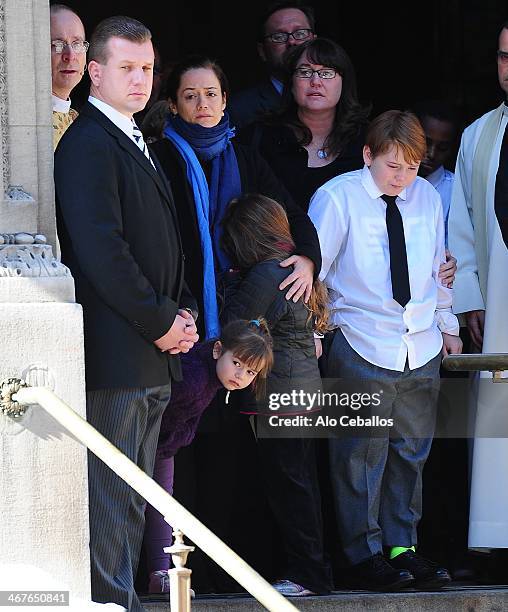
[398, 255]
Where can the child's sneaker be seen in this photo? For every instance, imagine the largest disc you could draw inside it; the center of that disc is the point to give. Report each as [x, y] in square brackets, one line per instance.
[291, 589]
[159, 582]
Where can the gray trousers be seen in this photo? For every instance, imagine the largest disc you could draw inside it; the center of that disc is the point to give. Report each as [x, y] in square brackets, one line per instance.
[130, 419]
[377, 479]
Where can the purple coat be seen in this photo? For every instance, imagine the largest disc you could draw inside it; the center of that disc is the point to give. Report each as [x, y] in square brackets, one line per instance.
[189, 399]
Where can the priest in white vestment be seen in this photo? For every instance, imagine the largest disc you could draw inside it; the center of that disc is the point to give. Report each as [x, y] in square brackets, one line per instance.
[480, 292]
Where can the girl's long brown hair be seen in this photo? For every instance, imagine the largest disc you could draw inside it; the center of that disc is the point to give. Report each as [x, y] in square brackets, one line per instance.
[255, 229]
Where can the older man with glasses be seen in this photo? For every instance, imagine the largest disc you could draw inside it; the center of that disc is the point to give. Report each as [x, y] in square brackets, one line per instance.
[282, 26]
[68, 58]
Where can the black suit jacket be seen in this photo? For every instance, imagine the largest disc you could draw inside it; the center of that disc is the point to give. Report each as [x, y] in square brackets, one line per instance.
[249, 105]
[119, 236]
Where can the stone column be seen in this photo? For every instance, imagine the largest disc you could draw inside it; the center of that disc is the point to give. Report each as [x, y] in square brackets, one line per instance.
[25, 110]
[43, 472]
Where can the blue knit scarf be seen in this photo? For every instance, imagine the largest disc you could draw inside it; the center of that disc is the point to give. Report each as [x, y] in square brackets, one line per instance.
[210, 145]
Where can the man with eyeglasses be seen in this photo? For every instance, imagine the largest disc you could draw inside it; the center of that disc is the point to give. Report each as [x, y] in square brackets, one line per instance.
[478, 237]
[282, 26]
[68, 58]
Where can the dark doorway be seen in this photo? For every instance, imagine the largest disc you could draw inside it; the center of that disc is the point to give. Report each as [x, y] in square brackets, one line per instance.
[402, 52]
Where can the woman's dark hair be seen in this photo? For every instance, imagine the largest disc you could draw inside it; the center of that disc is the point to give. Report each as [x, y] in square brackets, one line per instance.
[190, 63]
[350, 116]
[250, 342]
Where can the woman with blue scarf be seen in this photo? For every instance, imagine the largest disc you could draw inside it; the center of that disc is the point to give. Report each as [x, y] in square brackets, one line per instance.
[206, 168]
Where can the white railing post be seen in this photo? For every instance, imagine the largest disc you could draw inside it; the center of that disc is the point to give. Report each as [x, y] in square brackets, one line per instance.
[179, 575]
[154, 494]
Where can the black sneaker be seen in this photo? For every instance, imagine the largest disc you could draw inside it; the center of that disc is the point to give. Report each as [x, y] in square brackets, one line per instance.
[428, 574]
[376, 574]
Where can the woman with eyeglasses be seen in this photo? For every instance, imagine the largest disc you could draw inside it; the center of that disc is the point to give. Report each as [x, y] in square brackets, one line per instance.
[319, 132]
[206, 168]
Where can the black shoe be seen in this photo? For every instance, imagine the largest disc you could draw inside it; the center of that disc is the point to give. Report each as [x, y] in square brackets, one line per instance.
[463, 569]
[428, 575]
[376, 574]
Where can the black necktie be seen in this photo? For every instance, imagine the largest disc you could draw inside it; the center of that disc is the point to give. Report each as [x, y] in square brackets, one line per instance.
[398, 255]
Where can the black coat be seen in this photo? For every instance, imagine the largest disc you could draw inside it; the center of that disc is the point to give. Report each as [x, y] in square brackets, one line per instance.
[249, 105]
[256, 177]
[119, 236]
[289, 161]
[257, 293]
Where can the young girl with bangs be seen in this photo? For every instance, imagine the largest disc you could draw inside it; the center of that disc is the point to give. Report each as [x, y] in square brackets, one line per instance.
[242, 356]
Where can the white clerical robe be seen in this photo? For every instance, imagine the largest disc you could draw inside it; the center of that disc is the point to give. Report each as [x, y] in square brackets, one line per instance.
[488, 521]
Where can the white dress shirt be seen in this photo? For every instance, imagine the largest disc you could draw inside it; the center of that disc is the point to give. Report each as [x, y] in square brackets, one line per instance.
[350, 218]
[122, 123]
[442, 181]
[120, 120]
[59, 105]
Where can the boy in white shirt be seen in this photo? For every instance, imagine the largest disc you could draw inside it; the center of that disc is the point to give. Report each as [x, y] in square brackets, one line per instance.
[381, 233]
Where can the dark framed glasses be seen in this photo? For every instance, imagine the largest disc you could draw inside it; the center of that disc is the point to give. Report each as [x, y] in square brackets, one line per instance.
[283, 37]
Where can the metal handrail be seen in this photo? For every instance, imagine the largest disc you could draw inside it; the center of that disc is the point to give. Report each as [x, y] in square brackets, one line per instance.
[496, 363]
[174, 513]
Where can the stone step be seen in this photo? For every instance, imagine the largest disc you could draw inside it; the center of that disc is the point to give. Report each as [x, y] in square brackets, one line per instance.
[450, 599]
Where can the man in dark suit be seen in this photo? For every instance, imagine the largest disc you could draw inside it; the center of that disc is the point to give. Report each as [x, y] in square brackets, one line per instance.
[283, 25]
[119, 236]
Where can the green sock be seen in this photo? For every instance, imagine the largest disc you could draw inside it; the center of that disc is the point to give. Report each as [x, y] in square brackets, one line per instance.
[398, 550]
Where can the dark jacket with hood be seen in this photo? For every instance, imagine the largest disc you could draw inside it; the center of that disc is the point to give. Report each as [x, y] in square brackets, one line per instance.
[255, 294]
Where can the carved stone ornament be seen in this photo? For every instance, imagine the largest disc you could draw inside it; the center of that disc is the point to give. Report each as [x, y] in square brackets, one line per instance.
[27, 255]
[16, 192]
[8, 406]
[4, 140]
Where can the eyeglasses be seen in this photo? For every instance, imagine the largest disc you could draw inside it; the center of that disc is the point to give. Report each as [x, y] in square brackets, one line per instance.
[283, 37]
[502, 56]
[323, 73]
[78, 46]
